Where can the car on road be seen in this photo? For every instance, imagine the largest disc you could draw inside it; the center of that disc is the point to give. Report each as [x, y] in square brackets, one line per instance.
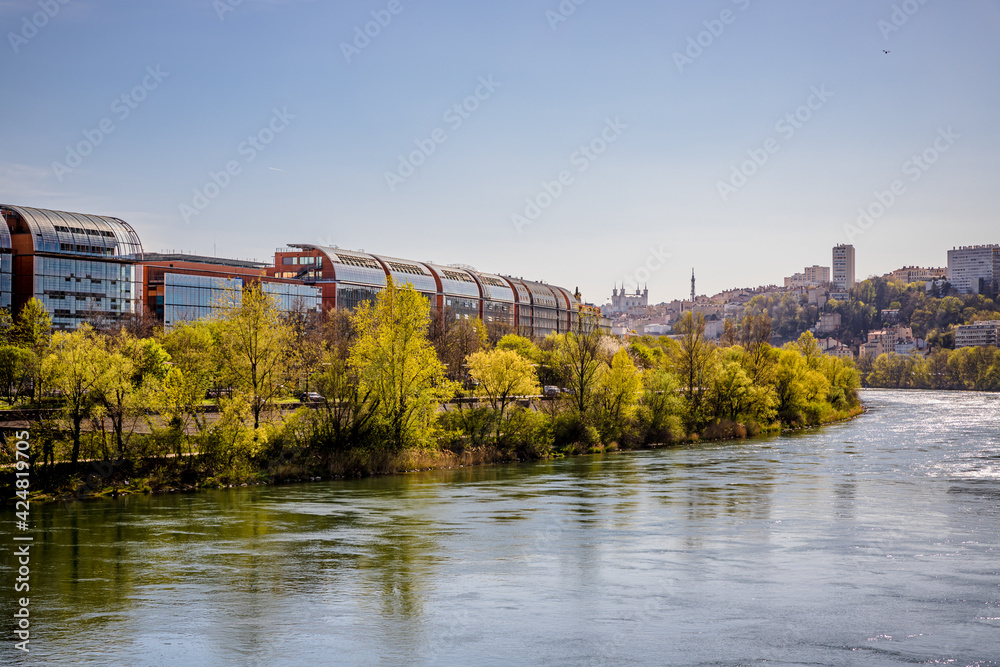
[311, 397]
[550, 390]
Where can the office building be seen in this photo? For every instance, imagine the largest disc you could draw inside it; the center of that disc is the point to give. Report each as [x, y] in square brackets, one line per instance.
[81, 267]
[183, 288]
[347, 278]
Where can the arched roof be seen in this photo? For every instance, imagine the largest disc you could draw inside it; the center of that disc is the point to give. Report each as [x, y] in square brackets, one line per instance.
[408, 271]
[496, 288]
[520, 291]
[455, 281]
[350, 266]
[78, 233]
[567, 301]
[541, 294]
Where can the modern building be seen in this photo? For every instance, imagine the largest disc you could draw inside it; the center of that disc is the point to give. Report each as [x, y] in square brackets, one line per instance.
[843, 267]
[978, 334]
[6, 267]
[81, 267]
[347, 278]
[183, 288]
[93, 268]
[974, 269]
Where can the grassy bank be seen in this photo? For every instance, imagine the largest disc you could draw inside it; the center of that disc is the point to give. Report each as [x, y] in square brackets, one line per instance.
[64, 481]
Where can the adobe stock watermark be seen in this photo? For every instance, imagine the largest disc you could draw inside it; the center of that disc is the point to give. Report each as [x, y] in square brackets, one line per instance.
[913, 168]
[786, 127]
[562, 13]
[714, 28]
[121, 108]
[899, 17]
[37, 21]
[581, 159]
[248, 150]
[223, 7]
[364, 34]
[656, 259]
[454, 117]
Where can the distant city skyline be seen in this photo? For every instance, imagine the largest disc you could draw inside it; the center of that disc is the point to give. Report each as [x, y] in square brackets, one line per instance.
[583, 148]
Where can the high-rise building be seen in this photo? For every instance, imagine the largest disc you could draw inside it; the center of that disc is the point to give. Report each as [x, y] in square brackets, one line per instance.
[843, 266]
[974, 269]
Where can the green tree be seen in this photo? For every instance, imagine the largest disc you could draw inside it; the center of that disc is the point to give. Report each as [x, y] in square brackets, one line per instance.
[33, 331]
[618, 391]
[693, 363]
[503, 375]
[395, 362]
[254, 347]
[661, 406]
[579, 354]
[76, 367]
[16, 365]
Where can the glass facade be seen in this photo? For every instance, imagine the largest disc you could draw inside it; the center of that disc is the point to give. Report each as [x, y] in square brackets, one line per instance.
[350, 297]
[6, 266]
[187, 298]
[291, 296]
[74, 290]
[190, 298]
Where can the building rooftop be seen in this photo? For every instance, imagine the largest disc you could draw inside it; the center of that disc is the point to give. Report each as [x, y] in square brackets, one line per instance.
[201, 259]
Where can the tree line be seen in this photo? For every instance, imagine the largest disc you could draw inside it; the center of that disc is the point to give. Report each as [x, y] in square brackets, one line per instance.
[214, 401]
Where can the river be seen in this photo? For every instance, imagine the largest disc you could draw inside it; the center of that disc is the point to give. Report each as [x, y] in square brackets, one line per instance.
[872, 542]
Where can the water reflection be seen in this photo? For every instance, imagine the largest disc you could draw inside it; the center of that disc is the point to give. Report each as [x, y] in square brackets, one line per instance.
[873, 538]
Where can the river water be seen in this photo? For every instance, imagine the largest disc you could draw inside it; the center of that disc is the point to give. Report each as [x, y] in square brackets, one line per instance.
[870, 542]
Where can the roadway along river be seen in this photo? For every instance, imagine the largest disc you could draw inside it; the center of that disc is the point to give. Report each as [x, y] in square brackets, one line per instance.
[872, 542]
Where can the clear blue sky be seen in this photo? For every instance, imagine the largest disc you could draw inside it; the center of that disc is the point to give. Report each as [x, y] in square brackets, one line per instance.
[680, 127]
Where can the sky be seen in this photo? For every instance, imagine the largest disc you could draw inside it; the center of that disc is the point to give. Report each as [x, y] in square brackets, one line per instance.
[583, 142]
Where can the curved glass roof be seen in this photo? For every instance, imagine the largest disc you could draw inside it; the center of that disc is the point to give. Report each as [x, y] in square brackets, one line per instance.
[523, 295]
[408, 271]
[566, 299]
[541, 295]
[353, 267]
[4, 237]
[78, 233]
[496, 288]
[455, 281]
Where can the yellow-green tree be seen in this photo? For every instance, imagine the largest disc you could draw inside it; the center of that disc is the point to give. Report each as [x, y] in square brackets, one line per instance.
[617, 394]
[76, 366]
[195, 367]
[254, 343]
[503, 375]
[133, 365]
[396, 364]
[33, 331]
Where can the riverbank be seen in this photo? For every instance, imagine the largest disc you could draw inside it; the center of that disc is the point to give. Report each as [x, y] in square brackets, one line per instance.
[65, 482]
